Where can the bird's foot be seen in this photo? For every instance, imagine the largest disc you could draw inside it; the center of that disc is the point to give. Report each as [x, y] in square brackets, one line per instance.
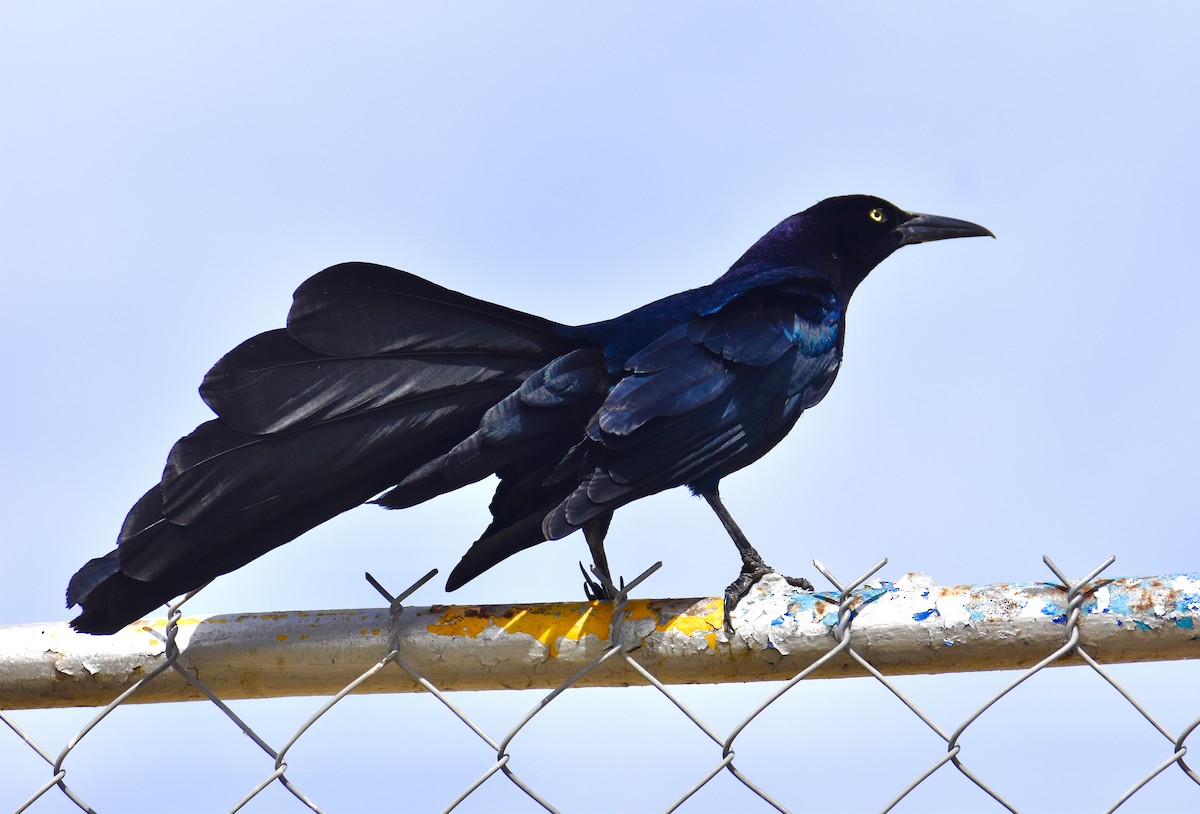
[751, 574]
[596, 590]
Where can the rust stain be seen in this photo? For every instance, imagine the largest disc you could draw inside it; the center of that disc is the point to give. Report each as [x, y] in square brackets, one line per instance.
[1141, 601]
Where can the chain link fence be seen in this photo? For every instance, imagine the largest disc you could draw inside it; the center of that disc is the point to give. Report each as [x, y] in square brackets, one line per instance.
[864, 627]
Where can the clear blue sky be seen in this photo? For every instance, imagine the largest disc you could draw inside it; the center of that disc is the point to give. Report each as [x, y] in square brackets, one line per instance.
[169, 174]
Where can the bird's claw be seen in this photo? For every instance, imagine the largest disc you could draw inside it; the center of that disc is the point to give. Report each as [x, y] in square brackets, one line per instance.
[595, 590]
[751, 574]
[592, 588]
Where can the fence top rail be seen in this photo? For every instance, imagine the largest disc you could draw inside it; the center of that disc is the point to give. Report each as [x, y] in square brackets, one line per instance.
[903, 627]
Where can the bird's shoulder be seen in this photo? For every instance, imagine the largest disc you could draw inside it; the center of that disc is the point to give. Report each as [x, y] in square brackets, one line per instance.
[762, 344]
[757, 325]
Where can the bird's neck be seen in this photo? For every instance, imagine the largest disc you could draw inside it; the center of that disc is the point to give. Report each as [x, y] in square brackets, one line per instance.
[797, 250]
[842, 274]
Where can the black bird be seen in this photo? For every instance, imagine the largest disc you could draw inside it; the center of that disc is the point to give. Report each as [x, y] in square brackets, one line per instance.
[386, 383]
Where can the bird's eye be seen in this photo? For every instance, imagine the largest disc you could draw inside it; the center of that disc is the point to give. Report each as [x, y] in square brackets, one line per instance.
[877, 215]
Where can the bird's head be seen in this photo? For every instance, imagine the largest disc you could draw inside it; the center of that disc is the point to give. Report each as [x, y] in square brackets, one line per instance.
[844, 238]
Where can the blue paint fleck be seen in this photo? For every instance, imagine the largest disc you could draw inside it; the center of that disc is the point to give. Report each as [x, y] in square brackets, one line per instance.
[830, 619]
[1184, 622]
[1142, 625]
[921, 616]
[1119, 603]
[1053, 609]
[948, 642]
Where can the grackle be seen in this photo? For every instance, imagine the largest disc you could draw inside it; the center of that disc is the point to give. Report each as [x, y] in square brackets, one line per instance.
[385, 386]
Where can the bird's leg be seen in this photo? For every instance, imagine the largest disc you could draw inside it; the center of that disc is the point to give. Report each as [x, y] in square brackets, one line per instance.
[753, 567]
[594, 532]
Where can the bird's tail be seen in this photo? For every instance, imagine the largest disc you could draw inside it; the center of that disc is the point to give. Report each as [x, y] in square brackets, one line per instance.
[377, 373]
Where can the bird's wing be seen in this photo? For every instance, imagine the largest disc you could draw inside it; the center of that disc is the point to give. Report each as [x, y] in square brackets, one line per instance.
[521, 439]
[706, 398]
[528, 430]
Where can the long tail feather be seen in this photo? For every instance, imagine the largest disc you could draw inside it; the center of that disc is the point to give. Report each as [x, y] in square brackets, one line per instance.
[377, 374]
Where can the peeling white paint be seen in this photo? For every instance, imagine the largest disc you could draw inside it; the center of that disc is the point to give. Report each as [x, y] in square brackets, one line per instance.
[1033, 608]
[636, 630]
[953, 611]
[916, 581]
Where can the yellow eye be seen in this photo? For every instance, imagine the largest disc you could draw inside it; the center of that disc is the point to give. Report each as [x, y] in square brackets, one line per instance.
[877, 215]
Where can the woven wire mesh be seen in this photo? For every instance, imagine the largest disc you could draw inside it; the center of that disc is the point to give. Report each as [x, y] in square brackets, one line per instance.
[714, 750]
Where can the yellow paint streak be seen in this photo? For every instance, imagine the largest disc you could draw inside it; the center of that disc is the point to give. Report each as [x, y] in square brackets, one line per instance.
[545, 623]
[552, 623]
[706, 623]
[282, 637]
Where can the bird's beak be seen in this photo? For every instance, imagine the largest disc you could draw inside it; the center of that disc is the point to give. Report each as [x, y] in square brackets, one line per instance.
[924, 228]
